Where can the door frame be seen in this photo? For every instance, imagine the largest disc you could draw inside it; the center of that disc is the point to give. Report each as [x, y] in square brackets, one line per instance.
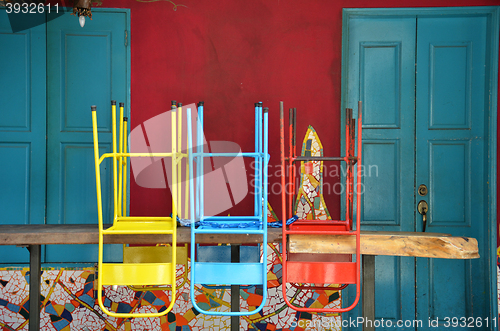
[68, 262]
[493, 15]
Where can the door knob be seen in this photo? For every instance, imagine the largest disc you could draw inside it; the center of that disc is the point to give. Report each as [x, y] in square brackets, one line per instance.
[423, 208]
[422, 190]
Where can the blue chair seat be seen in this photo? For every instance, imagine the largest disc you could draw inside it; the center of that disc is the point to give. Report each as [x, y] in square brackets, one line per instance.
[214, 226]
[228, 273]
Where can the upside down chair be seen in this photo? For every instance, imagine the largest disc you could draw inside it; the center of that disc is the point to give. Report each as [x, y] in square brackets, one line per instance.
[214, 273]
[143, 268]
[321, 271]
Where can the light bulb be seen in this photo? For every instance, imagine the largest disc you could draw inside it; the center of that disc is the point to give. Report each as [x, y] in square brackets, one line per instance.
[82, 21]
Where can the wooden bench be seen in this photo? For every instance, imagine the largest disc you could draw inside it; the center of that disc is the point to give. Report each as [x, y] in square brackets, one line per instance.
[415, 244]
[432, 245]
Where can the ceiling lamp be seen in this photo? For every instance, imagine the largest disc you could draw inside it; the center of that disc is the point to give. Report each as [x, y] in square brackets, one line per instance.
[81, 9]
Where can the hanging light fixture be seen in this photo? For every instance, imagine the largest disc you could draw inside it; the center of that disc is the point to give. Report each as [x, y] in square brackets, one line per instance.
[81, 8]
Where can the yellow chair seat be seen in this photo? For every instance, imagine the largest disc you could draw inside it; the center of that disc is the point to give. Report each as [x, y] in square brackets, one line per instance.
[156, 254]
[141, 227]
[153, 254]
[136, 273]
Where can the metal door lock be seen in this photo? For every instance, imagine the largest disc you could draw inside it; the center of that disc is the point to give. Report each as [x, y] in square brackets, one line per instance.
[423, 208]
[422, 190]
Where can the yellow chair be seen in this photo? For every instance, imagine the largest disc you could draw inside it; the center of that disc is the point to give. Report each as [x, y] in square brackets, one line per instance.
[157, 254]
[148, 270]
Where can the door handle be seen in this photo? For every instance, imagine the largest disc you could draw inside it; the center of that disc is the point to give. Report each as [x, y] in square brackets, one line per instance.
[423, 208]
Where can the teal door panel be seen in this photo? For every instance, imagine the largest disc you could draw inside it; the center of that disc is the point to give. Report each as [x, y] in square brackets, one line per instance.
[381, 74]
[452, 110]
[85, 67]
[22, 128]
[429, 125]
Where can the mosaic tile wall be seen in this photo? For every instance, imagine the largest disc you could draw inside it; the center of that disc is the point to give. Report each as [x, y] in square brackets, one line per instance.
[69, 303]
[310, 203]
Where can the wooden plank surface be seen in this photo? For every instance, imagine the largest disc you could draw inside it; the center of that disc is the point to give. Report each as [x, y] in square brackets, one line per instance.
[52, 234]
[372, 243]
[415, 244]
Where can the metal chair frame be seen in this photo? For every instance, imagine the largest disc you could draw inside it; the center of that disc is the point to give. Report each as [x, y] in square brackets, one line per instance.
[219, 273]
[136, 274]
[324, 272]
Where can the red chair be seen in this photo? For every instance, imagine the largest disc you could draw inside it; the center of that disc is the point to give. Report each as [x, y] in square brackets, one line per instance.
[317, 271]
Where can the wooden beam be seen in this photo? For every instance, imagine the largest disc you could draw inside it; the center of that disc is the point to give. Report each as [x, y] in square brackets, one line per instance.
[373, 243]
[415, 244]
[52, 234]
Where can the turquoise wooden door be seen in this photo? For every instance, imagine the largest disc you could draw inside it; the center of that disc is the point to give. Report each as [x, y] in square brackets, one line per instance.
[22, 127]
[451, 158]
[85, 66]
[425, 83]
[382, 75]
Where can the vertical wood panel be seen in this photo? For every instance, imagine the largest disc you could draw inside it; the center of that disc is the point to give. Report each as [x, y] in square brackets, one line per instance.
[381, 73]
[451, 114]
[450, 85]
[22, 127]
[380, 84]
[381, 183]
[85, 67]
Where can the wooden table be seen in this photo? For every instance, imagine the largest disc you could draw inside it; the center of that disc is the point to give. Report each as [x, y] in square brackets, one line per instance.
[372, 243]
[54, 234]
[416, 244]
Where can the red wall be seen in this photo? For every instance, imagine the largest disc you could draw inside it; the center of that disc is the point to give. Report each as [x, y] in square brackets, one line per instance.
[231, 54]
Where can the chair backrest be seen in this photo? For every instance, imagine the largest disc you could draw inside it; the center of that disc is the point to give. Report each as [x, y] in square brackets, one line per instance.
[213, 271]
[144, 268]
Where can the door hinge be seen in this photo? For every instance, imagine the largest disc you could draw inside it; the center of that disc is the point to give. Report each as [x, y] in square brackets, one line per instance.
[126, 38]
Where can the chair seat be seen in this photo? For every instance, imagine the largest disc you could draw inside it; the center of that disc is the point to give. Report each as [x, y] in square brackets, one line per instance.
[215, 253]
[319, 225]
[321, 272]
[154, 254]
[137, 273]
[228, 273]
[141, 227]
[218, 226]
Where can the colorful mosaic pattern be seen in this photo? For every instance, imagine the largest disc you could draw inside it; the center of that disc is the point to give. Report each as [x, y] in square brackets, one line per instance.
[69, 303]
[69, 296]
[271, 215]
[310, 203]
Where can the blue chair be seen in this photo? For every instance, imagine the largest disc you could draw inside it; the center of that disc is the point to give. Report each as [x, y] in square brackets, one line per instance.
[224, 253]
[213, 272]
